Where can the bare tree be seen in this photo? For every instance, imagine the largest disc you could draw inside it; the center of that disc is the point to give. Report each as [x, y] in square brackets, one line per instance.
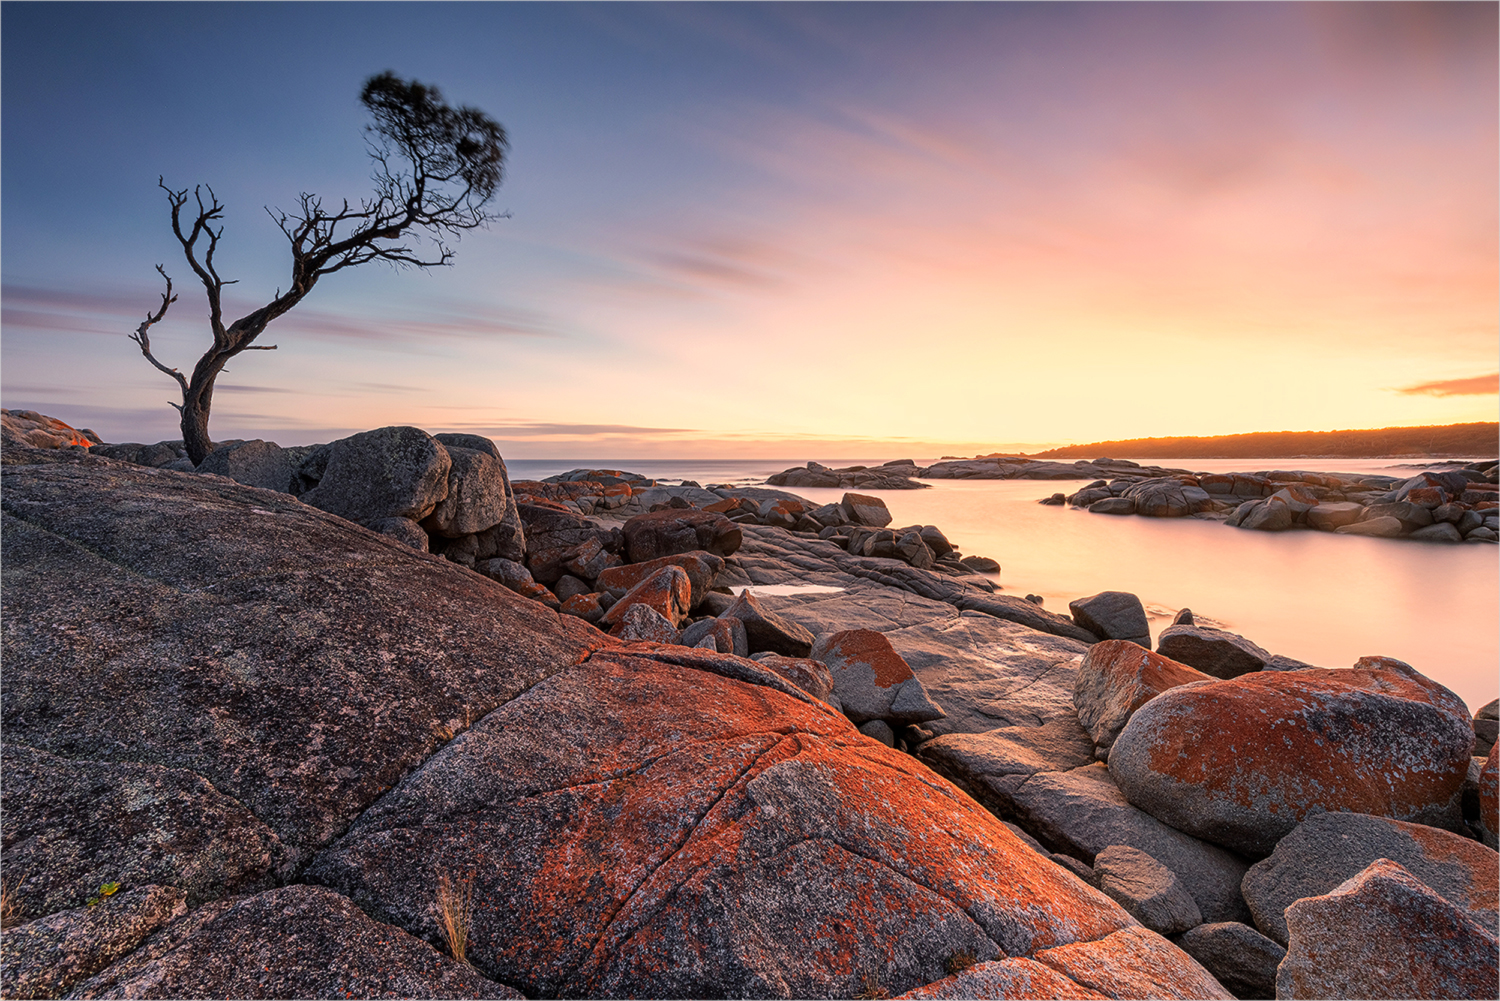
[436, 170]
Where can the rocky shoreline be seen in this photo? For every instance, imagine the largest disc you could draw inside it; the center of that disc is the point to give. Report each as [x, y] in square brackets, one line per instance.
[673, 741]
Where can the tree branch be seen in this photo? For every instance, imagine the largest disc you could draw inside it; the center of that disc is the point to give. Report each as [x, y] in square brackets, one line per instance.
[142, 338]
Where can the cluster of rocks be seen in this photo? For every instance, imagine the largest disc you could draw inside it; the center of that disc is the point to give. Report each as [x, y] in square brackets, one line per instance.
[311, 728]
[30, 429]
[901, 474]
[1457, 505]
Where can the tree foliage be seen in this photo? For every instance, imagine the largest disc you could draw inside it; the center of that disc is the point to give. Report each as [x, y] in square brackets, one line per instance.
[436, 170]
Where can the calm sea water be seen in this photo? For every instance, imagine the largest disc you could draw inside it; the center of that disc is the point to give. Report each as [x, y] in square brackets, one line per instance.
[1325, 599]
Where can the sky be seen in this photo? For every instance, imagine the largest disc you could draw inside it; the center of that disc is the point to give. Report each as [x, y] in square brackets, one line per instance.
[806, 231]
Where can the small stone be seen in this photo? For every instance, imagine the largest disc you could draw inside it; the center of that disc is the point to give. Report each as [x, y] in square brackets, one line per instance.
[1113, 615]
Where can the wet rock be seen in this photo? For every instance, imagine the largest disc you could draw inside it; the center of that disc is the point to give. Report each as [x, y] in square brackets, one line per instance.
[391, 472]
[980, 564]
[866, 510]
[665, 533]
[1242, 762]
[1167, 497]
[255, 463]
[1148, 890]
[1384, 934]
[298, 663]
[1328, 848]
[1081, 812]
[642, 623]
[1113, 615]
[702, 569]
[734, 828]
[295, 942]
[1441, 532]
[70, 826]
[1270, 515]
[871, 680]
[1239, 957]
[1215, 652]
[45, 958]
[1411, 516]
[767, 631]
[1116, 678]
[1113, 505]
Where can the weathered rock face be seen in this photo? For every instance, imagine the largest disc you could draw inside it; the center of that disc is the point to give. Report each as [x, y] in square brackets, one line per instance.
[296, 942]
[556, 539]
[871, 680]
[1328, 848]
[1215, 652]
[47, 957]
[1383, 934]
[812, 676]
[1239, 957]
[70, 826]
[29, 429]
[1003, 978]
[392, 472]
[1242, 762]
[1489, 798]
[1116, 678]
[476, 497]
[1148, 890]
[296, 662]
[1113, 615]
[702, 569]
[667, 822]
[667, 592]
[866, 510]
[656, 534]
[642, 623]
[254, 463]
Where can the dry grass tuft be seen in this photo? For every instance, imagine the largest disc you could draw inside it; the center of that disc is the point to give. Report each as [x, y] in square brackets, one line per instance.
[870, 990]
[10, 911]
[959, 961]
[455, 905]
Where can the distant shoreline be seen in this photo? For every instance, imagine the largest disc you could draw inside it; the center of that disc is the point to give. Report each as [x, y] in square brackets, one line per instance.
[1451, 441]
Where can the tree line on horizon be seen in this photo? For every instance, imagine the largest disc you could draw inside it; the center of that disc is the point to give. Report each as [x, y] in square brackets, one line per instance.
[1469, 440]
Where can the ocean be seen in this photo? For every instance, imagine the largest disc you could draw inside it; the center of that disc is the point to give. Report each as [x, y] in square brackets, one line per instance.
[1321, 598]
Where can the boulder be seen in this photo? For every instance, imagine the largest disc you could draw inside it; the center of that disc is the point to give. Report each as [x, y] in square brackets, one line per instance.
[1001, 978]
[871, 680]
[1331, 515]
[404, 531]
[295, 942]
[1166, 497]
[70, 825]
[1489, 810]
[989, 765]
[642, 623]
[45, 958]
[1116, 678]
[812, 676]
[1328, 848]
[478, 497]
[585, 606]
[726, 632]
[391, 472]
[766, 631]
[1097, 965]
[255, 463]
[1081, 812]
[1241, 762]
[1380, 528]
[589, 559]
[1440, 532]
[667, 592]
[665, 533]
[1273, 514]
[863, 509]
[1486, 727]
[1239, 957]
[1384, 934]
[1113, 505]
[556, 538]
[296, 663]
[1412, 516]
[1148, 890]
[667, 822]
[568, 586]
[29, 429]
[702, 569]
[1113, 615]
[1215, 652]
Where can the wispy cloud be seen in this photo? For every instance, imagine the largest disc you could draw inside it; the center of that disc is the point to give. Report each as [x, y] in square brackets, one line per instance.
[1479, 385]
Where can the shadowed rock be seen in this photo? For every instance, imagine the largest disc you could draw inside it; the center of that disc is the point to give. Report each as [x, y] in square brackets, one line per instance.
[1147, 889]
[1239, 957]
[665, 533]
[1215, 652]
[1113, 615]
[254, 463]
[768, 631]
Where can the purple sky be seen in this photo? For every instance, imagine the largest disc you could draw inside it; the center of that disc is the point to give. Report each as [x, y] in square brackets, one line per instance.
[797, 230]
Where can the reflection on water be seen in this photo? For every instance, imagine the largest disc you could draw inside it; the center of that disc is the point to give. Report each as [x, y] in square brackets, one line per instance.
[1325, 599]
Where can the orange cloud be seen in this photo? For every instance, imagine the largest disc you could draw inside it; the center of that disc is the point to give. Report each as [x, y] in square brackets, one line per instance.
[1479, 385]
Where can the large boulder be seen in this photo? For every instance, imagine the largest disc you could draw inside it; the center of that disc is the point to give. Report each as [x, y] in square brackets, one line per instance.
[1215, 652]
[871, 680]
[1113, 615]
[863, 509]
[1242, 762]
[1239, 957]
[297, 663]
[766, 631]
[477, 497]
[1150, 891]
[295, 942]
[1384, 934]
[254, 463]
[1328, 848]
[1116, 678]
[556, 538]
[668, 822]
[667, 592]
[1489, 801]
[664, 533]
[391, 472]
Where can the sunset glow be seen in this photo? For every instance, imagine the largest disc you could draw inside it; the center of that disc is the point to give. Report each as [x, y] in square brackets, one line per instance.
[784, 230]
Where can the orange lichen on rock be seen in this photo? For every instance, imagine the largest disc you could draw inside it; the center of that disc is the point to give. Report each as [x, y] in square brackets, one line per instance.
[671, 822]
